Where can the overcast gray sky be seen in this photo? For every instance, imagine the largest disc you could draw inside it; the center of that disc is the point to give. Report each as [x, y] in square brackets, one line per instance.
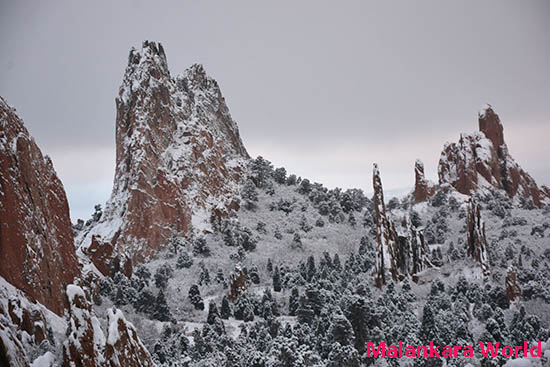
[322, 88]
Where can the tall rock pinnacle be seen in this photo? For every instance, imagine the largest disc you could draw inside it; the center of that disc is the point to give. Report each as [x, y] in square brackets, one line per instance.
[179, 157]
[481, 160]
[385, 234]
[37, 252]
[422, 187]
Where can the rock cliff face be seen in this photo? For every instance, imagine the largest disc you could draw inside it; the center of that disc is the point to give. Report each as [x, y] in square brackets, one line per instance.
[482, 160]
[179, 158]
[36, 242]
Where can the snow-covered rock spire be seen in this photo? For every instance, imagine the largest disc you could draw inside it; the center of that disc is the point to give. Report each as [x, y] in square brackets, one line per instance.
[179, 158]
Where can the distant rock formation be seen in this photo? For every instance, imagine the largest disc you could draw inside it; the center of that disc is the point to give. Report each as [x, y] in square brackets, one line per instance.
[179, 158]
[476, 244]
[401, 250]
[513, 291]
[385, 234]
[423, 189]
[481, 159]
[37, 251]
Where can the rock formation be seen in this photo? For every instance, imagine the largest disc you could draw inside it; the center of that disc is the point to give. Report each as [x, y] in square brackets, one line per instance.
[123, 348]
[385, 234]
[87, 346]
[179, 158]
[482, 160]
[237, 283]
[401, 250]
[513, 291]
[476, 244]
[36, 240]
[84, 346]
[423, 189]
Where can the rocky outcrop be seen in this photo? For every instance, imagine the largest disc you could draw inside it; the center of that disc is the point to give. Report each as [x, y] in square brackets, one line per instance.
[401, 249]
[179, 158]
[124, 348]
[423, 189]
[513, 291]
[86, 345]
[385, 233]
[476, 244]
[36, 242]
[237, 283]
[481, 160]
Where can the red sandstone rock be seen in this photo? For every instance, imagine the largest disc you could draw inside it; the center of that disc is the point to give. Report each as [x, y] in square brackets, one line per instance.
[124, 348]
[37, 252]
[86, 345]
[513, 291]
[423, 189]
[179, 158]
[481, 160]
[237, 283]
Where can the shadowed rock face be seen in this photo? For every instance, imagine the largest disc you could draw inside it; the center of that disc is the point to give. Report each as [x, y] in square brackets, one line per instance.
[37, 252]
[482, 160]
[179, 158]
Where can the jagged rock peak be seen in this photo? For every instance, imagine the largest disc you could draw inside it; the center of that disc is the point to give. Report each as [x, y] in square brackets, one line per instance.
[149, 57]
[489, 124]
[179, 160]
[37, 252]
[481, 161]
[422, 187]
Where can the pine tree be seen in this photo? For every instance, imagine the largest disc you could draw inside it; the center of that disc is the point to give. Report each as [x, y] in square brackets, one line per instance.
[336, 262]
[296, 241]
[293, 301]
[244, 309]
[200, 247]
[195, 297]
[269, 266]
[304, 312]
[254, 275]
[341, 330]
[277, 234]
[161, 312]
[184, 260]
[225, 309]
[277, 280]
[351, 220]
[280, 175]
[162, 275]
[250, 194]
[311, 270]
[214, 318]
[204, 277]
